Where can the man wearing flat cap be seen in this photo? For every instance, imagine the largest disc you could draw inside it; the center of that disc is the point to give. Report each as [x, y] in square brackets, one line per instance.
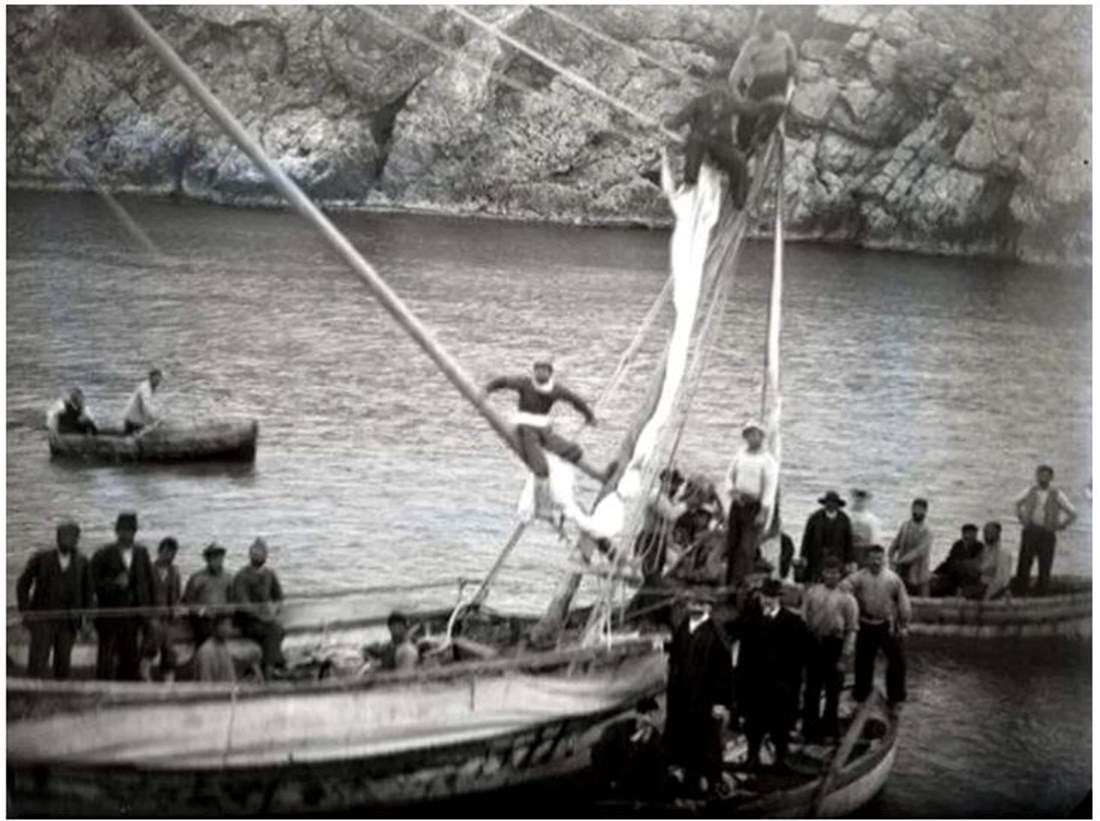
[54, 580]
[750, 486]
[208, 593]
[122, 574]
[257, 588]
[828, 533]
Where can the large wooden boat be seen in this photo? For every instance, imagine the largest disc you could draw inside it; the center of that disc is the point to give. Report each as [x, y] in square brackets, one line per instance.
[167, 442]
[1067, 611]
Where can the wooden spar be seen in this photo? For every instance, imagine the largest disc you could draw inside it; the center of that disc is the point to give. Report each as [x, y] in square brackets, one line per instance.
[513, 540]
[135, 230]
[289, 189]
[570, 76]
[840, 758]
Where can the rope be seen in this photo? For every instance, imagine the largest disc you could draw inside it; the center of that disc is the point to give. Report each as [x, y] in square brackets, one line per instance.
[157, 610]
[572, 77]
[599, 35]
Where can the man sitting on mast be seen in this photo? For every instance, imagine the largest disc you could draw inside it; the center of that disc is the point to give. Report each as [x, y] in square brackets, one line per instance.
[537, 395]
[711, 118]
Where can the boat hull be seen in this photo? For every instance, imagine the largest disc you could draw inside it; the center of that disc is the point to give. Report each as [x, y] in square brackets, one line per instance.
[1067, 614]
[200, 442]
[403, 740]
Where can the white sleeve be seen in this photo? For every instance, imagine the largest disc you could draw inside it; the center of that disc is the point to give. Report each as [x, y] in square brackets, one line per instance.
[1063, 500]
[1020, 499]
[54, 411]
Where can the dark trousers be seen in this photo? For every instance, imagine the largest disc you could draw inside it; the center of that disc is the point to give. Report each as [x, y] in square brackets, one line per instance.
[268, 634]
[822, 672]
[533, 441]
[772, 715]
[724, 155]
[697, 746]
[870, 639]
[119, 654]
[47, 636]
[1036, 542]
[742, 540]
[753, 129]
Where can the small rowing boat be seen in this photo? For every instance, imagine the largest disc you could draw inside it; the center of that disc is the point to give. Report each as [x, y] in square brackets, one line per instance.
[1066, 611]
[167, 442]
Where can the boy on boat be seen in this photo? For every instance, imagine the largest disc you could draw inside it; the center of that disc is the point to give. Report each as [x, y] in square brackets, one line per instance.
[70, 415]
[767, 63]
[1043, 510]
[711, 119]
[141, 411]
[54, 580]
[213, 660]
[538, 394]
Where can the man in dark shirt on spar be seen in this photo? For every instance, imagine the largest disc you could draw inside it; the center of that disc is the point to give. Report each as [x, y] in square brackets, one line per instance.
[537, 395]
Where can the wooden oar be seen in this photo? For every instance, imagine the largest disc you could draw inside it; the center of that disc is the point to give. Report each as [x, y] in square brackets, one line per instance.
[873, 703]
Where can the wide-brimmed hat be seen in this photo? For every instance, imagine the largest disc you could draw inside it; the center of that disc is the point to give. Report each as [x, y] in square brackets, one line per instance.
[772, 588]
[832, 496]
[213, 549]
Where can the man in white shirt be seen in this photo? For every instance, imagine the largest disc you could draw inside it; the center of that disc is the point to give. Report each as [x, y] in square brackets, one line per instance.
[750, 486]
[866, 526]
[1040, 510]
[140, 410]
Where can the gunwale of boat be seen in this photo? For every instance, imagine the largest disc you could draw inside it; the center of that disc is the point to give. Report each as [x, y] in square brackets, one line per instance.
[213, 440]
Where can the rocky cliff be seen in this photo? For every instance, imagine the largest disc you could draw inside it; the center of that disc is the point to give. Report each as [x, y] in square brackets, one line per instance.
[963, 130]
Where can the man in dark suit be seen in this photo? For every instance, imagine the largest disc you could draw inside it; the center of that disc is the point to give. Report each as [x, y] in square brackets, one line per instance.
[771, 659]
[828, 533]
[700, 695]
[54, 580]
[123, 577]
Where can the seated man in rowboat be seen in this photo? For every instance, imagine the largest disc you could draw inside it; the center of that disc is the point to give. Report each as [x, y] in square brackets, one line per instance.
[537, 395]
[70, 415]
[399, 653]
[961, 572]
[711, 120]
[257, 589]
[141, 411]
[997, 563]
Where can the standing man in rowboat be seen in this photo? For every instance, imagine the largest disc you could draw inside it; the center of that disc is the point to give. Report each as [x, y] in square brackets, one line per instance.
[141, 411]
[1040, 510]
[54, 580]
[750, 487]
[884, 615]
[537, 395]
[70, 415]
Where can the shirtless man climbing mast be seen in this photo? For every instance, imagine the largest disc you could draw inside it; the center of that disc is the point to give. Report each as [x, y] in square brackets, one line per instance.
[537, 395]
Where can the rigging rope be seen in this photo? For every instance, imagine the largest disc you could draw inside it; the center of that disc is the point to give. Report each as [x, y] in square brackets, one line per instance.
[599, 35]
[569, 75]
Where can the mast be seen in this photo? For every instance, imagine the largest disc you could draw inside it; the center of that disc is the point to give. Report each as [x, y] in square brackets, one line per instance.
[423, 337]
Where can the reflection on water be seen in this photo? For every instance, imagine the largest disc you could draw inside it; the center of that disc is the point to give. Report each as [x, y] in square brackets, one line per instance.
[909, 376]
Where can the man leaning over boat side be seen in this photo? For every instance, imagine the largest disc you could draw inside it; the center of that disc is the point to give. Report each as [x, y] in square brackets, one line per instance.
[538, 394]
[1040, 510]
[884, 616]
[122, 576]
[257, 588]
[750, 487]
[141, 410]
[911, 550]
[70, 414]
[54, 580]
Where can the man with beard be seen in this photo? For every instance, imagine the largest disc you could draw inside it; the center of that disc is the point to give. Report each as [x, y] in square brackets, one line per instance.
[257, 588]
[911, 550]
[828, 533]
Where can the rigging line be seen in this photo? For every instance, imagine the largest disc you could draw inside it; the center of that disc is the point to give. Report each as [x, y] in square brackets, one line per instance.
[77, 166]
[599, 35]
[569, 75]
[389, 299]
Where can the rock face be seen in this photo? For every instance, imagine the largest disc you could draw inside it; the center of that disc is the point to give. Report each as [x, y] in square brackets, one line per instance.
[960, 130]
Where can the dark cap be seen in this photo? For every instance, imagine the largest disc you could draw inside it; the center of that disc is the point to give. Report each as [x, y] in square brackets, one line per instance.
[168, 543]
[1046, 468]
[772, 588]
[970, 527]
[920, 501]
[68, 526]
[860, 493]
[126, 521]
[832, 496]
[213, 549]
[397, 616]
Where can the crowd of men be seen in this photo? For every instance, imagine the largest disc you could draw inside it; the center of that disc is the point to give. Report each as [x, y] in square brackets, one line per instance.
[135, 600]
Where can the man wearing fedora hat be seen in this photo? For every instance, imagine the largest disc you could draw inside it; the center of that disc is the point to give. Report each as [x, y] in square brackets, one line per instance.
[122, 574]
[828, 533]
[750, 486]
[208, 593]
